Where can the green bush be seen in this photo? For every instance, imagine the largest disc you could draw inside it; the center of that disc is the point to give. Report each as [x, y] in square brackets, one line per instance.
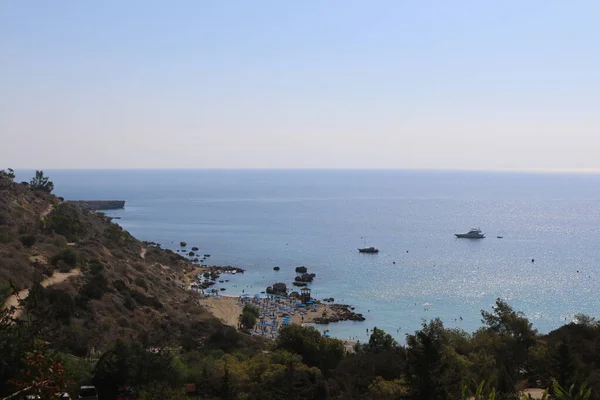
[64, 220]
[96, 267]
[95, 287]
[63, 267]
[119, 285]
[146, 301]
[67, 255]
[6, 236]
[5, 291]
[128, 302]
[141, 282]
[114, 234]
[28, 240]
[249, 316]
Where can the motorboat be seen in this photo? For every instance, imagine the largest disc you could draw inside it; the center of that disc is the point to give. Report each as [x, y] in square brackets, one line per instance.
[366, 249]
[369, 250]
[474, 233]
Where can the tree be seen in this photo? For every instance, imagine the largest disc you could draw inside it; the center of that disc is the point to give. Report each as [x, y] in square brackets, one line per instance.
[585, 320]
[435, 368]
[41, 182]
[515, 338]
[8, 174]
[130, 364]
[6, 178]
[380, 341]
[44, 375]
[316, 350]
[249, 316]
[505, 321]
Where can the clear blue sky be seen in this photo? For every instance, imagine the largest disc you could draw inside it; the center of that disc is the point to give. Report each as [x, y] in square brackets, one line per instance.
[330, 84]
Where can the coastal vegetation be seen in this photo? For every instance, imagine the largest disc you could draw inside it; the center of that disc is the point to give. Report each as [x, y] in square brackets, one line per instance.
[86, 306]
[41, 182]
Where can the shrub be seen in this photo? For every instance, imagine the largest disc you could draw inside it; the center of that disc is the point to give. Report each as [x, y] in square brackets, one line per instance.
[115, 235]
[95, 287]
[119, 285]
[128, 303]
[59, 241]
[63, 267]
[6, 236]
[141, 282]
[147, 301]
[96, 267]
[69, 256]
[28, 240]
[249, 316]
[64, 220]
[5, 291]
[61, 304]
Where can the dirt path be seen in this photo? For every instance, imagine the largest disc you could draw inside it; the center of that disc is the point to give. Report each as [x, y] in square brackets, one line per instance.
[47, 211]
[143, 252]
[58, 277]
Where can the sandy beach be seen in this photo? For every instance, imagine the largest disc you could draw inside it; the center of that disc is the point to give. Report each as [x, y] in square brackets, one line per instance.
[228, 309]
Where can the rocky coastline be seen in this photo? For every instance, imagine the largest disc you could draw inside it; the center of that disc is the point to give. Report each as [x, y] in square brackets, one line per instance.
[339, 312]
[204, 277]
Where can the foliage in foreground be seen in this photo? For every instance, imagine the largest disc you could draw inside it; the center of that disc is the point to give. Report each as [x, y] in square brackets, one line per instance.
[435, 363]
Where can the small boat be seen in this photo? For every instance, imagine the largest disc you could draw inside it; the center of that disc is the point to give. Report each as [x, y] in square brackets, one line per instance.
[366, 249]
[474, 233]
[369, 250]
[499, 237]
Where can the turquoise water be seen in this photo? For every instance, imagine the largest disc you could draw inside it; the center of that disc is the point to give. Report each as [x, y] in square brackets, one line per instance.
[260, 219]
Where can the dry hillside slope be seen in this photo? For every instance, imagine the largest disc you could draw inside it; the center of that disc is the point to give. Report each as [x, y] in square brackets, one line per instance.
[122, 291]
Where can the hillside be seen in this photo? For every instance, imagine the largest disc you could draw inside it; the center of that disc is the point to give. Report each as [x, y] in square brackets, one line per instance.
[115, 286]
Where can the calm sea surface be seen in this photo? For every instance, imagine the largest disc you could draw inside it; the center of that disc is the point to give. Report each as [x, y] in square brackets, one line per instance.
[260, 219]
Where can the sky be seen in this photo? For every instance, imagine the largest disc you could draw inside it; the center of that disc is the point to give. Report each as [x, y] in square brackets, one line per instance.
[419, 84]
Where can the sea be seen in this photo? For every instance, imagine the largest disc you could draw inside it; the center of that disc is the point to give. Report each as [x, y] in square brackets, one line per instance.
[546, 265]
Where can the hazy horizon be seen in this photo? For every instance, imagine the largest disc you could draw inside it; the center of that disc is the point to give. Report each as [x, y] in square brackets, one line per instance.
[464, 85]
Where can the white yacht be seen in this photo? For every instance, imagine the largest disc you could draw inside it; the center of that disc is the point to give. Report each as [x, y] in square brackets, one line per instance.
[474, 233]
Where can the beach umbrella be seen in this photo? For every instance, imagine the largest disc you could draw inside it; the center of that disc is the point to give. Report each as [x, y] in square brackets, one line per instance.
[326, 335]
[301, 305]
[246, 295]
